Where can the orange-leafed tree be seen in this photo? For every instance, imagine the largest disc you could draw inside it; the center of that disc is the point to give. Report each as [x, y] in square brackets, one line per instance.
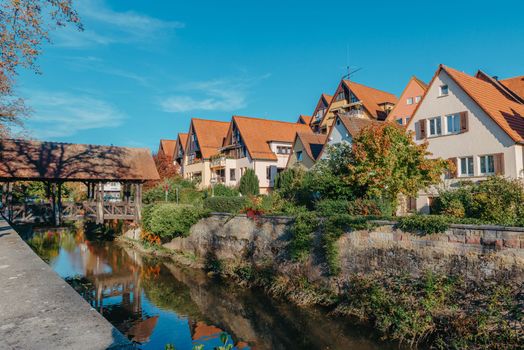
[385, 162]
[24, 28]
[165, 167]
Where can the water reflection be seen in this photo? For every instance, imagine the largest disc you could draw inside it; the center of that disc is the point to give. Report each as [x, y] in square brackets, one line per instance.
[155, 303]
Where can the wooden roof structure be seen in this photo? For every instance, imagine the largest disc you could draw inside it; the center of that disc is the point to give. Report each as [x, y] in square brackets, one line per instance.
[29, 160]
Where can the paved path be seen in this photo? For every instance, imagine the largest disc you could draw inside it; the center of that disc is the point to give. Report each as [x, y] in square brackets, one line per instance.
[39, 310]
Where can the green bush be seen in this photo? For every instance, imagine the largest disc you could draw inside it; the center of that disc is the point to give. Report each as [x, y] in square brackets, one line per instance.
[288, 182]
[221, 190]
[275, 204]
[249, 184]
[225, 204]
[187, 192]
[168, 220]
[329, 207]
[496, 200]
[304, 226]
[423, 224]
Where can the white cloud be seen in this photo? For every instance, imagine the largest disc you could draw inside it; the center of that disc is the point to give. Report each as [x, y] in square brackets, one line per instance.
[112, 26]
[217, 95]
[58, 114]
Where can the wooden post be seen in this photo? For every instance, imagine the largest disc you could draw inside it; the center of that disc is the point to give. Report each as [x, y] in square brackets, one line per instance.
[100, 203]
[138, 202]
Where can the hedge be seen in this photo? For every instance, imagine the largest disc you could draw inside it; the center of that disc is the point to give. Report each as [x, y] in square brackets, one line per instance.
[225, 204]
[168, 220]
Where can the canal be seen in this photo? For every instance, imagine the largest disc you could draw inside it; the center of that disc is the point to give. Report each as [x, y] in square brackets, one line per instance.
[155, 302]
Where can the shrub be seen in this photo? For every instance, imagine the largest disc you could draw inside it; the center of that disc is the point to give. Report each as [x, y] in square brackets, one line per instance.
[361, 206]
[221, 190]
[225, 204]
[423, 224]
[187, 192]
[288, 182]
[328, 207]
[169, 220]
[249, 184]
[302, 235]
[275, 204]
[496, 200]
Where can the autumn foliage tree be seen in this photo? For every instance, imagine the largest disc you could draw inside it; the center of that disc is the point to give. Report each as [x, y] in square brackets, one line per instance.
[385, 162]
[165, 167]
[24, 28]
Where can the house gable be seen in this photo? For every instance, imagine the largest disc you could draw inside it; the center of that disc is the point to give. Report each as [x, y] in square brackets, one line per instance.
[409, 99]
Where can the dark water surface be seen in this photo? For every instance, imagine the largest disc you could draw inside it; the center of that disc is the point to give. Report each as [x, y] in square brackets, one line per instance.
[155, 302]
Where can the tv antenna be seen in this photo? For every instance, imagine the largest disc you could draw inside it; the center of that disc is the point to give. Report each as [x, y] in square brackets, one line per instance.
[350, 70]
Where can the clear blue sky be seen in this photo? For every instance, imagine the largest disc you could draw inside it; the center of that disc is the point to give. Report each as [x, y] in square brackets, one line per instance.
[142, 69]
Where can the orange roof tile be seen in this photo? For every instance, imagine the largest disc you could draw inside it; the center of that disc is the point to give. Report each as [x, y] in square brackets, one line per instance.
[258, 133]
[312, 142]
[355, 125]
[508, 114]
[515, 84]
[371, 98]
[304, 119]
[210, 135]
[167, 147]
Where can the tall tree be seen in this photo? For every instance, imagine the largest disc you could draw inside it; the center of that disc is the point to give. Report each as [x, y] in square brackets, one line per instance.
[386, 162]
[24, 28]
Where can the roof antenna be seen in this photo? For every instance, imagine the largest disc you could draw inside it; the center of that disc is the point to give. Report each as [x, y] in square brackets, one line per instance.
[348, 67]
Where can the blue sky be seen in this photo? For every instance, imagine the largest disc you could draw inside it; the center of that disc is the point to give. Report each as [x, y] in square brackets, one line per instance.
[142, 69]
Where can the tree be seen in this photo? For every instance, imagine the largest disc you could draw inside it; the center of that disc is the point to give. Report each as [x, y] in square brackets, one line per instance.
[385, 162]
[289, 181]
[249, 184]
[165, 167]
[24, 28]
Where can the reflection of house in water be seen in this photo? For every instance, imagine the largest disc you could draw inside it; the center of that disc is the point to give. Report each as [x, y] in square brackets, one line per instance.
[201, 332]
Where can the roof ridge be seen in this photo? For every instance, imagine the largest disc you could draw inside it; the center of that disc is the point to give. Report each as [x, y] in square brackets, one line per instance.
[269, 120]
[368, 87]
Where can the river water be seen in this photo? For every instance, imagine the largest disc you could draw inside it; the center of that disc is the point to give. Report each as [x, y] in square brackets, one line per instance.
[155, 302]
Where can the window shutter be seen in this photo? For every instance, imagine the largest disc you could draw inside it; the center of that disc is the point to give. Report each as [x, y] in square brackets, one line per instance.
[453, 173]
[422, 129]
[464, 122]
[499, 163]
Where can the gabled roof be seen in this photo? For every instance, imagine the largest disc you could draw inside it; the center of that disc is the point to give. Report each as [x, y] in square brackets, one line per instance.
[505, 112]
[37, 160]
[210, 135]
[515, 84]
[313, 143]
[324, 99]
[258, 133]
[371, 98]
[304, 119]
[401, 107]
[167, 147]
[180, 142]
[353, 125]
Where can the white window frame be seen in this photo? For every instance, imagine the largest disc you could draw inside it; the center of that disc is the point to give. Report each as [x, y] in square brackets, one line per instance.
[409, 100]
[436, 127]
[469, 166]
[454, 117]
[484, 161]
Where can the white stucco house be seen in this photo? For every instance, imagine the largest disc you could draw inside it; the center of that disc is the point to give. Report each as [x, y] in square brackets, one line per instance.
[476, 122]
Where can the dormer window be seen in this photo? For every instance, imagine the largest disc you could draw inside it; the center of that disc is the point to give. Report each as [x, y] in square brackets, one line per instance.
[444, 90]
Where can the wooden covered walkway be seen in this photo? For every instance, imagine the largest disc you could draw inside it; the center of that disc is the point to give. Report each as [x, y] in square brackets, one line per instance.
[55, 163]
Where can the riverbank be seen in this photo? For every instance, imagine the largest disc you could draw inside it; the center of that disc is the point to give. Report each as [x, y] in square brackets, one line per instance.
[39, 310]
[461, 288]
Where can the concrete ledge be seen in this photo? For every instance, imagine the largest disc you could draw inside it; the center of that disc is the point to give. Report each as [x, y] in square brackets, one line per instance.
[39, 310]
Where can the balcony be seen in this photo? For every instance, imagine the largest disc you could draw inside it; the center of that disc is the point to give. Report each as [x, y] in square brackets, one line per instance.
[218, 162]
[218, 179]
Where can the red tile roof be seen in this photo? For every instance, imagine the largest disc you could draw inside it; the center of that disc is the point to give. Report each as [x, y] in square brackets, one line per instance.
[167, 147]
[304, 119]
[210, 135]
[37, 160]
[371, 98]
[180, 142]
[507, 113]
[313, 143]
[258, 133]
[515, 84]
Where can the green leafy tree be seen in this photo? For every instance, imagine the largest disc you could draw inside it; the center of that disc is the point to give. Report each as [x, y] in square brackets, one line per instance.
[385, 162]
[288, 182]
[249, 184]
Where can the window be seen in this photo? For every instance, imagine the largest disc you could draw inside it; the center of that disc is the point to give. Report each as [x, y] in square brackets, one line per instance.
[340, 96]
[232, 174]
[409, 101]
[399, 120]
[417, 99]
[435, 126]
[268, 173]
[299, 156]
[407, 119]
[487, 165]
[466, 166]
[353, 98]
[283, 150]
[453, 122]
[444, 90]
